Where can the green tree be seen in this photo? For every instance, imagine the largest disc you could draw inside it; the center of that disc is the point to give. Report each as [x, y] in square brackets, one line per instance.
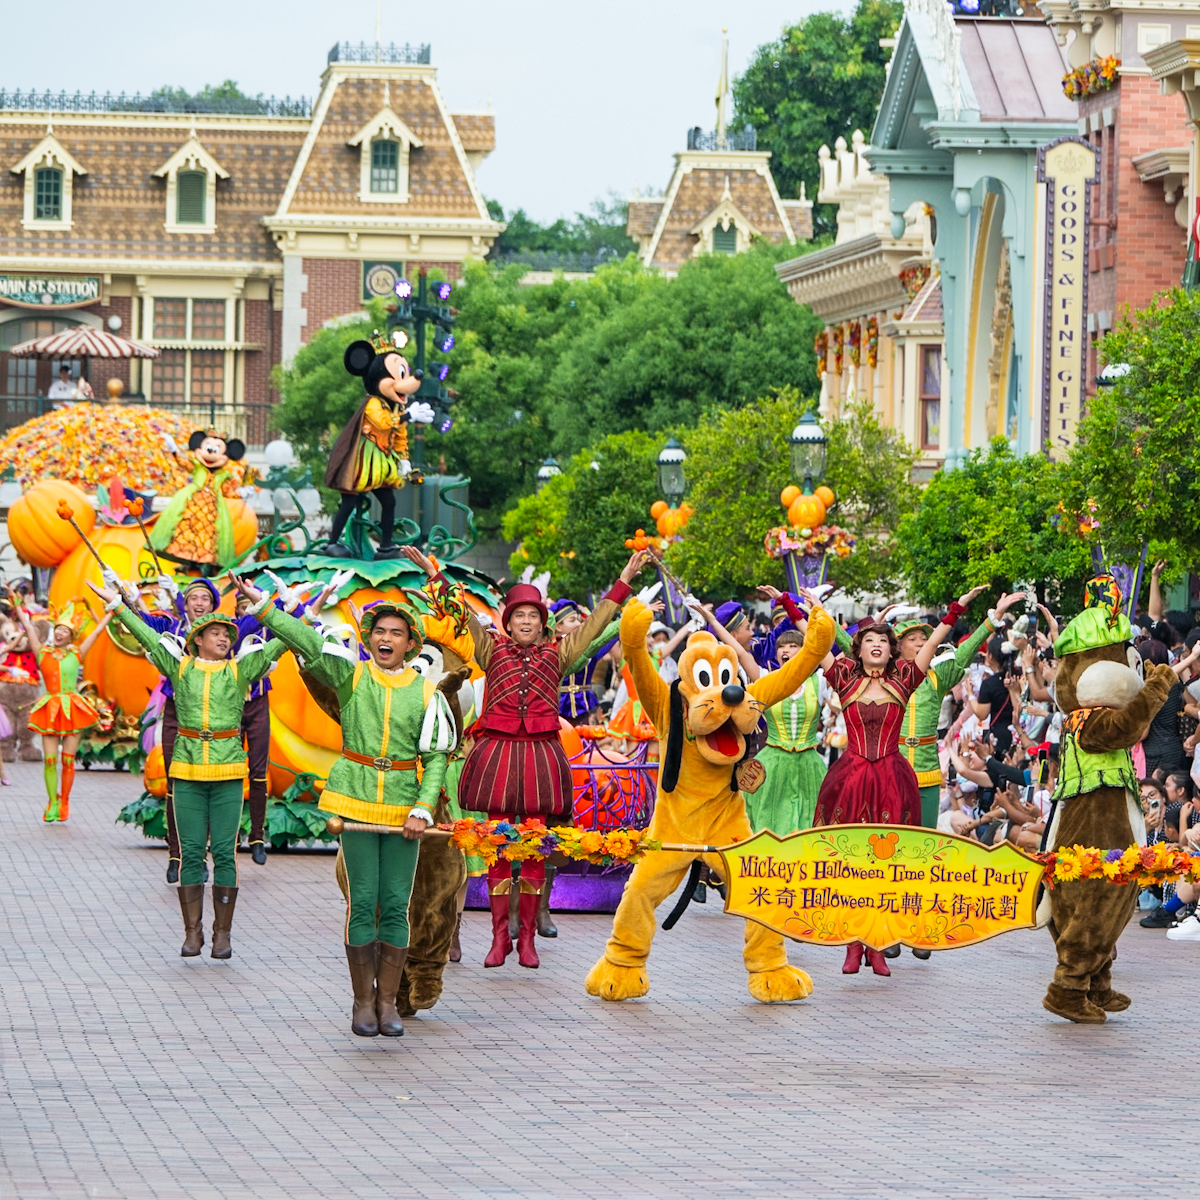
[993, 521]
[722, 333]
[575, 527]
[508, 339]
[1137, 450]
[869, 466]
[739, 462]
[597, 234]
[820, 80]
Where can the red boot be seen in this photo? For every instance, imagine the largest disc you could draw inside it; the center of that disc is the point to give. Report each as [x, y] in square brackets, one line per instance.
[878, 962]
[854, 954]
[499, 885]
[527, 954]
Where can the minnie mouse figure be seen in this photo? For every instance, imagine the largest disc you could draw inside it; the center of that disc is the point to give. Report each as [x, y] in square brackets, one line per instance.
[371, 452]
[196, 527]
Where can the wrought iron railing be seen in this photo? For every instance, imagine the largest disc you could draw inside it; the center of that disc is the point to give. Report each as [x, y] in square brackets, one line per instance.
[263, 106]
[376, 52]
[744, 139]
[250, 422]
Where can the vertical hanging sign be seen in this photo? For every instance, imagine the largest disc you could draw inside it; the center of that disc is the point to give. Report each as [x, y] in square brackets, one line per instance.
[1066, 167]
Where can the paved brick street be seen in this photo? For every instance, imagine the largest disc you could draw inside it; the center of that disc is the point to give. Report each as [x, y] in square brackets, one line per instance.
[130, 1072]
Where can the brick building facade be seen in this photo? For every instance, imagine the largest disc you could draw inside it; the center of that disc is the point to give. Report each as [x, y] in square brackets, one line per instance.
[1141, 207]
[226, 239]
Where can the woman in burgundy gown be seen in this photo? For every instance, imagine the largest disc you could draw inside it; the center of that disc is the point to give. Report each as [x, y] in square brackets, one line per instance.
[872, 782]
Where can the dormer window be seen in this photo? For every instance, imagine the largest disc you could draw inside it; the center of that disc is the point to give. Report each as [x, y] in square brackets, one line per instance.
[190, 193]
[726, 230]
[384, 144]
[385, 166]
[725, 241]
[191, 174]
[49, 173]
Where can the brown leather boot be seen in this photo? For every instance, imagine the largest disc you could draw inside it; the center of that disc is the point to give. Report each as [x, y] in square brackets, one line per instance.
[361, 960]
[514, 916]
[545, 922]
[224, 899]
[391, 967]
[191, 904]
[455, 943]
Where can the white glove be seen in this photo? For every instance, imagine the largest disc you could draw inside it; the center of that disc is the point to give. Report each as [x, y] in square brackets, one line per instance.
[648, 594]
[420, 412]
[247, 491]
[405, 466]
[292, 599]
[168, 585]
[170, 443]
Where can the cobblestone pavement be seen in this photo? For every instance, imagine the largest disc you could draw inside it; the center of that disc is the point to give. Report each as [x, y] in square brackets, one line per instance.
[129, 1072]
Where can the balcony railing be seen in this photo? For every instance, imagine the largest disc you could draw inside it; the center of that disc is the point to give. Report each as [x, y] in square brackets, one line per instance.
[254, 106]
[376, 52]
[250, 422]
[744, 139]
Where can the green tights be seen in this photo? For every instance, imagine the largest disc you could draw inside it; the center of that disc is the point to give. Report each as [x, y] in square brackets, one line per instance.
[379, 869]
[208, 813]
[50, 776]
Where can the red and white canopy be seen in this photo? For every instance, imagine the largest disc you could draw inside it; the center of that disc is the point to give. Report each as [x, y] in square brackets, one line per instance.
[82, 341]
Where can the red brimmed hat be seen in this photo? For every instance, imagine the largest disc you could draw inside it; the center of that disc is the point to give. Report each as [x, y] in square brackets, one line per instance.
[523, 593]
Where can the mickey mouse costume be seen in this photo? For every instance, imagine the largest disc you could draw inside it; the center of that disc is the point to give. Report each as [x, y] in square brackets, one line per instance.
[196, 527]
[371, 452]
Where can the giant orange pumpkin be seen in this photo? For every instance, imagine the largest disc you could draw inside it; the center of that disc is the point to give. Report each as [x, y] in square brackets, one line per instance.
[124, 678]
[245, 524]
[38, 534]
[806, 512]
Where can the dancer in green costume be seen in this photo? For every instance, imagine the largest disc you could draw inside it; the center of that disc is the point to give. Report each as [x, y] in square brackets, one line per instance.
[209, 766]
[391, 718]
[787, 798]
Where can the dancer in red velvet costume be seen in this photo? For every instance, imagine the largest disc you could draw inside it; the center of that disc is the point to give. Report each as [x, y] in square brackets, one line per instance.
[872, 782]
[517, 768]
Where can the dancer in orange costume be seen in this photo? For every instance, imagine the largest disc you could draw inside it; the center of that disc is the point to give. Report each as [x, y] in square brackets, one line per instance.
[62, 714]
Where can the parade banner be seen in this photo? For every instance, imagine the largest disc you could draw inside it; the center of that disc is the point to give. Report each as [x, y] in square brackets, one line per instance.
[881, 885]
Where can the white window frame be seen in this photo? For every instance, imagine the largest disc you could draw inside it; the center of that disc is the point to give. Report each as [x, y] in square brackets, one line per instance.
[192, 156]
[49, 152]
[384, 126]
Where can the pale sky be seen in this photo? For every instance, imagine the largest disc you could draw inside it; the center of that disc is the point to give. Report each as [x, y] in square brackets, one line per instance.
[588, 97]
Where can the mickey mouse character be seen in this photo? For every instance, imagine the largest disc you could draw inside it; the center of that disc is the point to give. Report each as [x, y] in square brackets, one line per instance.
[196, 526]
[371, 452]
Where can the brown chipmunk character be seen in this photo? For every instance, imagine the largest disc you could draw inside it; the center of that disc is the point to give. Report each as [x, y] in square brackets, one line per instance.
[1108, 705]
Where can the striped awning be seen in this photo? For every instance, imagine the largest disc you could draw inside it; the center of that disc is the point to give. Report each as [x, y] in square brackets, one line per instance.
[82, 341]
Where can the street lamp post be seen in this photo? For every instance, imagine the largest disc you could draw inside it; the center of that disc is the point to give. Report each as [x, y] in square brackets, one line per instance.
[546, 472]
[417, 313]
[809, 445]
[672, 481]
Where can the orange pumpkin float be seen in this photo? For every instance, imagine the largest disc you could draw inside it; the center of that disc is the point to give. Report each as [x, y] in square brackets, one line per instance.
[35, 529]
